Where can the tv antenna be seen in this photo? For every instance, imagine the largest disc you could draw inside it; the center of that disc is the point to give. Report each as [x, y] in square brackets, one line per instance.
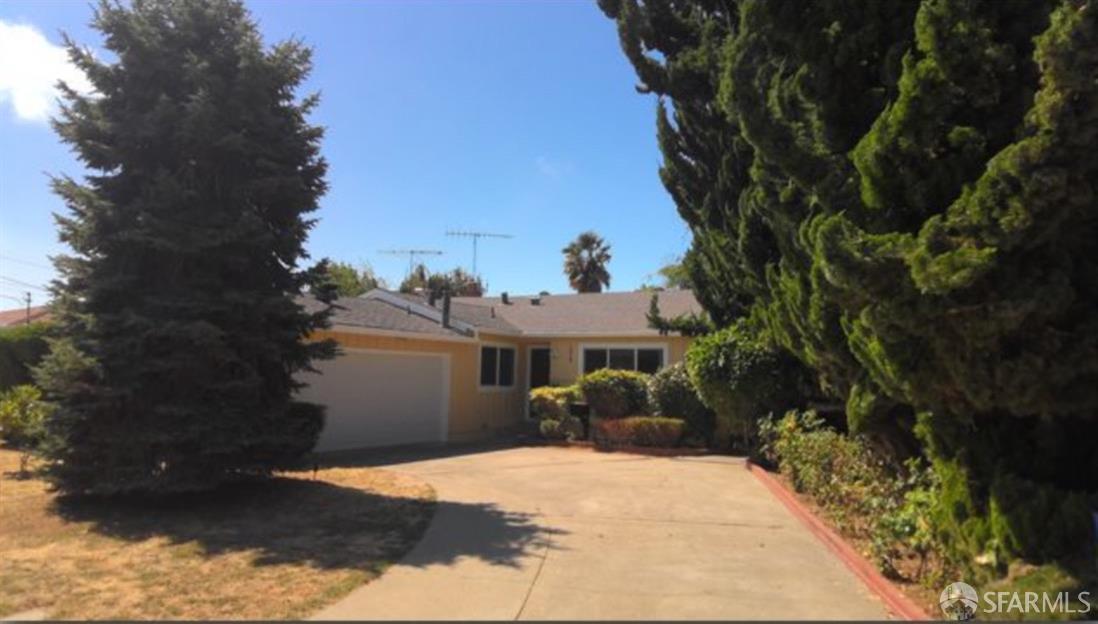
[412, 254]
[475, 236]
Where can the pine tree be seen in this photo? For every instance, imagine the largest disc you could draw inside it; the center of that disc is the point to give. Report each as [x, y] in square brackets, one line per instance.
[180, 331]
[902, 194]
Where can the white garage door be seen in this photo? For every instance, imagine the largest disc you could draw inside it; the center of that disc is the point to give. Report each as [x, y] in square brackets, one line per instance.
[380, 398]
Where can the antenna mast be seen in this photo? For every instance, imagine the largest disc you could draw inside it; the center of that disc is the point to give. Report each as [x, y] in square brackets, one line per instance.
[411, 253]
[476, 236]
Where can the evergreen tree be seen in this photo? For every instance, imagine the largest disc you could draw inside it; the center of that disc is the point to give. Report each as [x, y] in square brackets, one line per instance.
[585, 261]
[902, 194]
[180, 331]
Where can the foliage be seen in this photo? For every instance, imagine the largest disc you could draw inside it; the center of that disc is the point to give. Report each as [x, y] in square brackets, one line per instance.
[585, 261]
[350, 281]
[675, 275]
[692, 324]
[566, 428]
[902, 193]
[21, 348]
[181, 332]
[457, 282]
[23, 416]
[552, 401]
[863, 492]
[615, 393]
[639, 431]
[671, 394]
[741, 378]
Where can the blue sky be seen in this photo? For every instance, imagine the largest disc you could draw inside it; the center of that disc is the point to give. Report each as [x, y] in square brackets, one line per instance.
[513, 117]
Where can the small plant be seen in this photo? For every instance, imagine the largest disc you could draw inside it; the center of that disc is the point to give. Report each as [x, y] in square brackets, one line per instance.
[567, 428]
[615, 393]
[551, 402]
[23, 416]
[651, 431]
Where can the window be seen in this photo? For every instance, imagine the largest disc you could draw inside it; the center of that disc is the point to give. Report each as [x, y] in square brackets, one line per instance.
[643, 359]
[497, 367]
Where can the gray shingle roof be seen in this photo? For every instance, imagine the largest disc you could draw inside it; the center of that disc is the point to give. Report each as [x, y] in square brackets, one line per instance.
[616, 313]
[377, 314]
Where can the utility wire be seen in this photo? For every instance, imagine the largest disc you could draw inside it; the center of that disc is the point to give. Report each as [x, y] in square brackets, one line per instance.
[12, 280]
[25, 262]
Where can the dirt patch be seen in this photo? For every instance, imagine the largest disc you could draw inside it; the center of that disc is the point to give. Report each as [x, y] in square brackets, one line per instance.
[277, 549]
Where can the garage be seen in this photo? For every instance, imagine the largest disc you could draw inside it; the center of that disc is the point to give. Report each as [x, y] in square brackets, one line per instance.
[381, 398]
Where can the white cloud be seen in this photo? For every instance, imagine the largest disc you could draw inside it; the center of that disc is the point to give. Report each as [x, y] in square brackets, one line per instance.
[30, 67]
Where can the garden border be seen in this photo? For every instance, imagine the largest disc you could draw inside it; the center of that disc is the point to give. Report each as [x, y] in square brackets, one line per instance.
[895, 600]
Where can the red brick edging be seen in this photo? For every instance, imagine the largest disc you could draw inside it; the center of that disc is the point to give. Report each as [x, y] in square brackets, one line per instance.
[895, 600]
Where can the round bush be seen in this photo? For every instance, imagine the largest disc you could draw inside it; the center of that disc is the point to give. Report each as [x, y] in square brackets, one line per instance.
[552, 402]
[671, 394]
[615, 393]
[741, 378]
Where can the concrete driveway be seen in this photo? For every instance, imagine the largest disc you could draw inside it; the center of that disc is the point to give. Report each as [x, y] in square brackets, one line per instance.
[555, 533]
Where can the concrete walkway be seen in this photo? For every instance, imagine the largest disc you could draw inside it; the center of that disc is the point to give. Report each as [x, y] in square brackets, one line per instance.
[554, 533]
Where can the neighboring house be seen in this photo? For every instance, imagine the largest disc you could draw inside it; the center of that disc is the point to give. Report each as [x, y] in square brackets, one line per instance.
[410, 374]
[22, 316]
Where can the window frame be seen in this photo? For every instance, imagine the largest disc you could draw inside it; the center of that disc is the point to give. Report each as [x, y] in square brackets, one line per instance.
[514, 366]
[635, 346]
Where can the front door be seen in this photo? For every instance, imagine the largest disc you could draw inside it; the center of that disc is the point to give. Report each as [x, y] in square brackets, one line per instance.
[539, 367]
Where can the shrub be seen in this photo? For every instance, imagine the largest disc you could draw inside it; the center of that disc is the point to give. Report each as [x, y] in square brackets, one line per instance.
[639, 431]
[23, 416]
[567, 428]
[552, 402]
[671, 394]
[615, 393]
[866, 495]
[21, 347]
[741, 378]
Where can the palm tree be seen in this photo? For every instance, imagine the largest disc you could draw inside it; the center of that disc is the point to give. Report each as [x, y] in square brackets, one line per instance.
[585, 261]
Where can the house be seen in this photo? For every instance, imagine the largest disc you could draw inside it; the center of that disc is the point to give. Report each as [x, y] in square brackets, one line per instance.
[413, 371]
[22, 316]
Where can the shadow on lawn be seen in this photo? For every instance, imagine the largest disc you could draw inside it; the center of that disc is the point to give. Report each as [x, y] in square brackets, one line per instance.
[315, 523]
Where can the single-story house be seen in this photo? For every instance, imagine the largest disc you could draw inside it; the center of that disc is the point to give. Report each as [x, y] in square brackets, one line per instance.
[413, 372]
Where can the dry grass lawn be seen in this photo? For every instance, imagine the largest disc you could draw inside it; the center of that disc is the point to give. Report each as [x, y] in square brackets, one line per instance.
[261, 551]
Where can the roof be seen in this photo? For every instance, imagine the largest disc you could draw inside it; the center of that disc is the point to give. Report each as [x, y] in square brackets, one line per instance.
[378, 314]
[591, 314]
[18, 316]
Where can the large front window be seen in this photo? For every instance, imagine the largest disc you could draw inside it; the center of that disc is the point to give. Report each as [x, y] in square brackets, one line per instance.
[643, 359]
[497, 367]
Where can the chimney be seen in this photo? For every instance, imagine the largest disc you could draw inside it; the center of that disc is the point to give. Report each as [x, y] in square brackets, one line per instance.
[504, 298]
[446, 309]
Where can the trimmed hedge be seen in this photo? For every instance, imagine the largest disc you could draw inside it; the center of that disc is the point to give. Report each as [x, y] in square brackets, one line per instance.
[671, 394]
[552, 401]
[21, 348]
[615, 393]
[639, 431]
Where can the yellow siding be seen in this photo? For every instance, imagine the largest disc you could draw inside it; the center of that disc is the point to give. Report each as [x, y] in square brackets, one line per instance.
[476, 413]
[473, 412]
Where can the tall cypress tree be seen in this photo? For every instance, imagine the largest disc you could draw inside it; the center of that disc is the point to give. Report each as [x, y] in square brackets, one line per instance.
[908, 206]
[180, 333]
